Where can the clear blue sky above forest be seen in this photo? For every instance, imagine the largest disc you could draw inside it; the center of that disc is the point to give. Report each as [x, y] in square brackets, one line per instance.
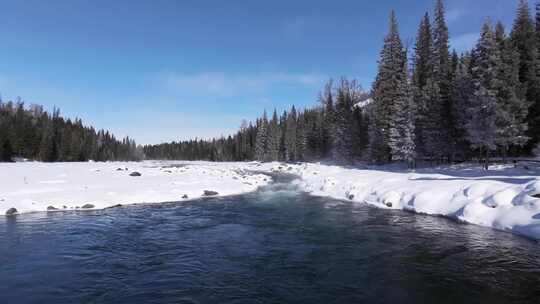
[165, 70]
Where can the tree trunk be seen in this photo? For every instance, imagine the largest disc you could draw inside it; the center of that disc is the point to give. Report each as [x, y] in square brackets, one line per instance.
[486, 161]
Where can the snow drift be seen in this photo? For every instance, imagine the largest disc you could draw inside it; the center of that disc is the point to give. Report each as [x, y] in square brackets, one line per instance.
[34, 186]
[504, 198]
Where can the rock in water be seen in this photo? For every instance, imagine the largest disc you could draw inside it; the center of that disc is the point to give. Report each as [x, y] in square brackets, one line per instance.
[389, 204]
[88, 206]
[210, 193]
[51, 208]
[135, 174]
[114, 206]
[184, 196]
[11, 211]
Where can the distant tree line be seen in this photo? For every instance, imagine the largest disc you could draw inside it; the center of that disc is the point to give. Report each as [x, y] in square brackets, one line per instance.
[336, 128]
[428, 104]
[239, 147]
[35, 134]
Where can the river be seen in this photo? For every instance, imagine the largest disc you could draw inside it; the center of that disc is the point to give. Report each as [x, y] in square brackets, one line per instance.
[276, 245]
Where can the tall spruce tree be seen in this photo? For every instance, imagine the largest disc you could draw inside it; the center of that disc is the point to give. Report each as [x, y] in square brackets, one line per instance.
[301, 138]
[423, 73]
[442, 107]
[481, 127]
[290, 136]
[385, 91]
[261, 145]
[524, 38]
[343, 132]
[283, 130]
[327, 104]
[360, 131]
[462, 94]
[401, 137]
[512, 107]
[274, 138]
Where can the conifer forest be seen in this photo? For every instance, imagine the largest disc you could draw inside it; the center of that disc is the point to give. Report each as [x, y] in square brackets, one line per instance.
[428, 103]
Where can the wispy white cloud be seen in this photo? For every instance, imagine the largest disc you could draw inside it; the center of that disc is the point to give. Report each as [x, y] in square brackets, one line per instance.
[464, 42]
[224, 84]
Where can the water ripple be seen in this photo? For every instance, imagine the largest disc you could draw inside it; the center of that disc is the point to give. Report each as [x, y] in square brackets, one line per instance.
[273, 246]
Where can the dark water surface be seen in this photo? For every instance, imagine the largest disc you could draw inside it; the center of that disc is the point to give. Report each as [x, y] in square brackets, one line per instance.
[273, 246]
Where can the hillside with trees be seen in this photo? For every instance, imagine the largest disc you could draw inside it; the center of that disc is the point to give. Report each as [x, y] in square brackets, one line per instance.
[33, 133]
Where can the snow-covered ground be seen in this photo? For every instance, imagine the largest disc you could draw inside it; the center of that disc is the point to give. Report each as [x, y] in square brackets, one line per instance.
[502, 198]
[34, 186]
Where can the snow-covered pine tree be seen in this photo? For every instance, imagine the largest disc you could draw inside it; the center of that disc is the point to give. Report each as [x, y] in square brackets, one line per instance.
[261, 144]
[290, 136]
[282, 140]
[512, 107]
[401, 139]
[524, 39]
[385, 90]
[462, 92]
[360, 131]
[533, 118]
[423, 67]
[301, 138]
[456, 136]
[432, 132]
[313, 133]
[481, 126]
[327, 104]
[343, 135]
[442, 107]
[274, 138]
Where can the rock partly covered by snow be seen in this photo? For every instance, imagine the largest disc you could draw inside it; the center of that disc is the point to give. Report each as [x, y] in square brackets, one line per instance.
[505, 198]
[33, 186]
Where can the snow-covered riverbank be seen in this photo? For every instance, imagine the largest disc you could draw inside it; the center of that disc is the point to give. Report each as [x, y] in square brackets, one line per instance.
[34, 186]
[504, 198]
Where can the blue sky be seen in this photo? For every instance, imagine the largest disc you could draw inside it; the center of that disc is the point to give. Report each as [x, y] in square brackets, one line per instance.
[165, 70]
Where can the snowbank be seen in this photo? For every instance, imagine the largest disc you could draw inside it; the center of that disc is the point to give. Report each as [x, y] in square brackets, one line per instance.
[502, 198]
[34, 186]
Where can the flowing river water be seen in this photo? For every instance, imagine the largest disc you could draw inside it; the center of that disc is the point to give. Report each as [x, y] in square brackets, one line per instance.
[276, 245]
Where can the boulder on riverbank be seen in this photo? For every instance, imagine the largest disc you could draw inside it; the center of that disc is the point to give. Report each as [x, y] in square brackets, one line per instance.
[210, 193]
[114, 206]
[87, 206]
[11, 211]
[135, 173]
